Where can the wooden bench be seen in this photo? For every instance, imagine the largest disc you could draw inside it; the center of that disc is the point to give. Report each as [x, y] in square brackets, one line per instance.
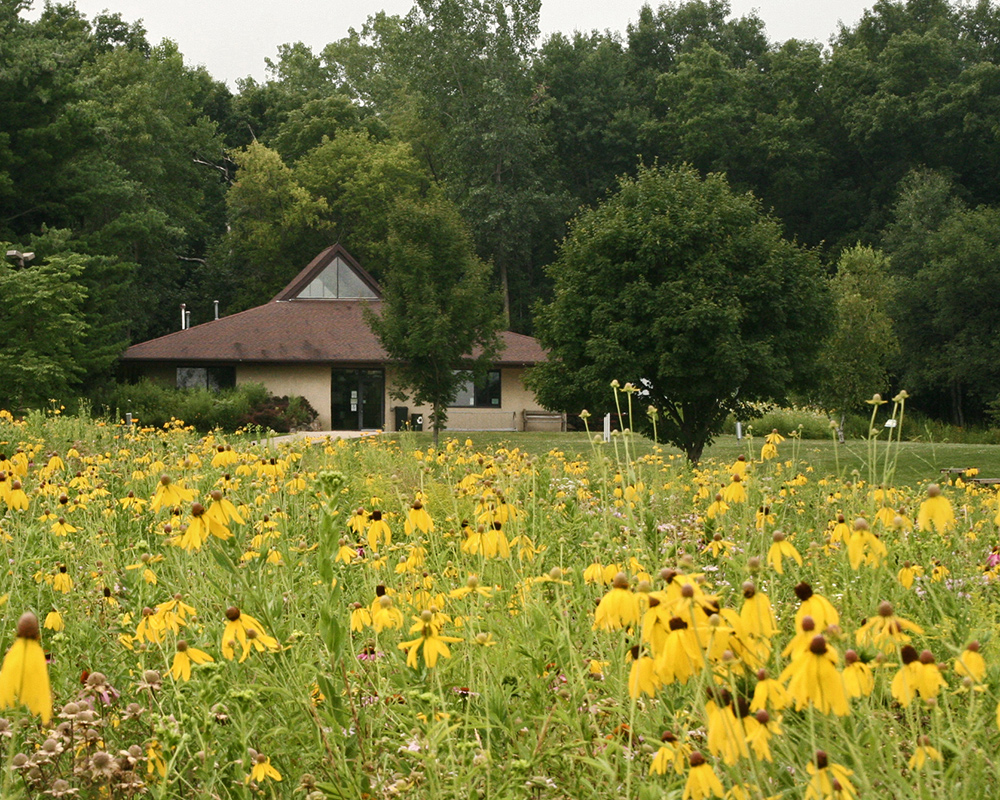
[539, 420]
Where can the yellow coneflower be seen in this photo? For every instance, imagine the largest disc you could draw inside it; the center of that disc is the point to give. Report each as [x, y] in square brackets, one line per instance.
[919, 675]
[180, 670]
[431, 644]
[619, 608]
[780, 549]
[417, 518]
[361, 617]
[841, 531]
[829, 781]
[262, 769]
[147, 574]
[718, 545]
[494, 542]
[220, 514]
[735, 492]
[170, 494]
[935, 512]
[969, 663]
[726, 735]
[812, 679]
[195, 532]
[672, 755]
[681, 655]
[62, 581]
[18, 499]
[384, 613]
[24, 675]
[816, 606]
[717, 508]
[885, 631]
[224, 456]
[642, 677]
[358, 521]
[924, 753]
[378, 531]
[756, 614]
[61, 527]
[908, 573]
[760, 727]
[248, 632]
[857, 675]
[769, 694]
[54, 621]
[702, 782]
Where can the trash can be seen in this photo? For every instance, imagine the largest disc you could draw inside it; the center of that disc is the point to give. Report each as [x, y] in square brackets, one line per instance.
[416, 422]
[402, 414]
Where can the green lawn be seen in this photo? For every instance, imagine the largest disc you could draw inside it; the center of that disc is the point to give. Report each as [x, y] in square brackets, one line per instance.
[918, 461]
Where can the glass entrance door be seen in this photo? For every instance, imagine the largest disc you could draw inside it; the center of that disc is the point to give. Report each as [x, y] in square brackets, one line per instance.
[357, 399]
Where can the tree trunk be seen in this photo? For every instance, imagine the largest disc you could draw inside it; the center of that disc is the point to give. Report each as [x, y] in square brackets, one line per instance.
[505, 288]
[436, 426]
[694, 451]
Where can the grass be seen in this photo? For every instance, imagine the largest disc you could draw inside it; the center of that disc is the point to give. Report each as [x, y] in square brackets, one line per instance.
[497, 637]
[918, 462]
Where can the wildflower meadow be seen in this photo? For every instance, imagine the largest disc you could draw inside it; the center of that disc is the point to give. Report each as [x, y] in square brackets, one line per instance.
[216, 616]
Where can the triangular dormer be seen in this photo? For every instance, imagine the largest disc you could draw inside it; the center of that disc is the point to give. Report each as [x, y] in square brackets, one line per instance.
[332, 275]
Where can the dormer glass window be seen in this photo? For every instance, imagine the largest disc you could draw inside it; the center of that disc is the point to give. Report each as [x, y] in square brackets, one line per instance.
[337, 281]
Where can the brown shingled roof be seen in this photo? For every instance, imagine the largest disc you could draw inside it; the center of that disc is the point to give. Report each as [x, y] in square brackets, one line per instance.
[294, 331]
[297, 331]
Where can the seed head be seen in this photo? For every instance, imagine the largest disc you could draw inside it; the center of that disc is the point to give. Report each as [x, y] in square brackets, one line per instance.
[27, 626]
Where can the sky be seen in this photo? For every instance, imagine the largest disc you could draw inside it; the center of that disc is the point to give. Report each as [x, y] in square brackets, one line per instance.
[231, 38]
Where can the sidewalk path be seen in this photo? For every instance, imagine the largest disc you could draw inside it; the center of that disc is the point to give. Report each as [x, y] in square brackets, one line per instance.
[319, 436]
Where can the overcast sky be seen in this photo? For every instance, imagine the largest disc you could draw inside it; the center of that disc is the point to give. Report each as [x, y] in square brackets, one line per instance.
[233, 37]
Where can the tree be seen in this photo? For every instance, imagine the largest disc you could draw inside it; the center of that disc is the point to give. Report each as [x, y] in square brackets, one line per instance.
[685, 289]
[42, 329]
[855, 358]
[453, 78]
[276, 227]
[946, 257]
[439, 319]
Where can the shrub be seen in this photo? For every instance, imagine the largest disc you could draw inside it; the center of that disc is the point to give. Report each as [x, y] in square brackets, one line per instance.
[154, 404]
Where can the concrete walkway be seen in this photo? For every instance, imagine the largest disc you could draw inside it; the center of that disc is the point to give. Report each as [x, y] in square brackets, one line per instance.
[320, 436]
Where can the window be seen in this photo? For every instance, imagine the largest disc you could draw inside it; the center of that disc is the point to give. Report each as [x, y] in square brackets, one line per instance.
[337, 282]
[213, 378]
[485, 395]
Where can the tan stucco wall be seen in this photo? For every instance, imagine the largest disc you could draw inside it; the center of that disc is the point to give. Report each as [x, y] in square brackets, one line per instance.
[310, 381]
[515, 397]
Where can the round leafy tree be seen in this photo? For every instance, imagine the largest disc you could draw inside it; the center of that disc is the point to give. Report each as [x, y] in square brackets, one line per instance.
[689, 291]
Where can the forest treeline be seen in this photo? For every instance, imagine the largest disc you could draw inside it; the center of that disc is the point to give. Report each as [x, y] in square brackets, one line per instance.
[140, 182]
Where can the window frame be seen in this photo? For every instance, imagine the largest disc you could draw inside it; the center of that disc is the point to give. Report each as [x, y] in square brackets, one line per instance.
[482, 396]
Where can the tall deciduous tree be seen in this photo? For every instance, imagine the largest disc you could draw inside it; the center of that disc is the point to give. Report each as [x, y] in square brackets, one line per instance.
[453, 78]
[855, 359]
[688, 290]
[42, 330]
[947, 260]
[439, 319]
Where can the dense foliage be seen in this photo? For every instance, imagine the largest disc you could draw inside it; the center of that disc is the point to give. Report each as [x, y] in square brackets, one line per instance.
[439, 318]
[181, 190]
[688, 292]
[248, 407]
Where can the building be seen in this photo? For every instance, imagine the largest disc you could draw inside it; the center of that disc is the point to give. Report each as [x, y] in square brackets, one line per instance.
[312, 340]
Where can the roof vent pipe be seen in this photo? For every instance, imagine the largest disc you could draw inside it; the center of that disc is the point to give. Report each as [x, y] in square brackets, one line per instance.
[183, 316]
[187, 320]
[216, 308]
